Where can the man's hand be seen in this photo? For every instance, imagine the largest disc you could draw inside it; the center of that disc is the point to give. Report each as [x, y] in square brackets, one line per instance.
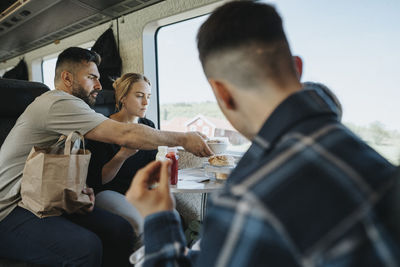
[89, 191]
[196, 144]
[149, 191]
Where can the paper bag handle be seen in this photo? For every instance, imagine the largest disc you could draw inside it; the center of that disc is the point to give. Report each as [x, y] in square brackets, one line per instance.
[68, 143]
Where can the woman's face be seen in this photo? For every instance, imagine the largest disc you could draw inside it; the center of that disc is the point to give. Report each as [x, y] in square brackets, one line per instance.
[137, 99]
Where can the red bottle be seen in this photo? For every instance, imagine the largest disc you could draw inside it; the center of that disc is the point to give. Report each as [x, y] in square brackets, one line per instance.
[172, 154]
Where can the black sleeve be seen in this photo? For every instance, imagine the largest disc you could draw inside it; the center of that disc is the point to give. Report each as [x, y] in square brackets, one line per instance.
[147, 122]
[101, 154]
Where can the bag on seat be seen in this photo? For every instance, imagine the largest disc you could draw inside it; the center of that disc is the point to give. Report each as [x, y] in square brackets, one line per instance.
[54, 177]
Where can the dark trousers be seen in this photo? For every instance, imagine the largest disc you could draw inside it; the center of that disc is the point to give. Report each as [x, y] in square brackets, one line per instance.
[95, 239]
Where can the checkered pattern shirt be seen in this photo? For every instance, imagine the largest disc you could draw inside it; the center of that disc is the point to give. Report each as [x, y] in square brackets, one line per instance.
[303, 195]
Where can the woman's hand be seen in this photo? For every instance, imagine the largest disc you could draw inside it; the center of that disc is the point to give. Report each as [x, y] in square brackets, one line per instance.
[111, 168]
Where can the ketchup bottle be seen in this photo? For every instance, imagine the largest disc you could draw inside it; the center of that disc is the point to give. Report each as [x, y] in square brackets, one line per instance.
[172, 154]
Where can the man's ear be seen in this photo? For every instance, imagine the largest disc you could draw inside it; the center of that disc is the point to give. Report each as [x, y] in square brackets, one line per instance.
[298, 64]
[67, 78]
[222, 93]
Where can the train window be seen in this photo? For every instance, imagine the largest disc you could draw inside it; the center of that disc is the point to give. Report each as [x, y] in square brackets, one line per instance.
[48, 70]
[351, 46]
[185, 97]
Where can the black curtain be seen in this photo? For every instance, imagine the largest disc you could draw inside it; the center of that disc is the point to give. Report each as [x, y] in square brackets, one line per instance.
[19, 72]
[111, 63]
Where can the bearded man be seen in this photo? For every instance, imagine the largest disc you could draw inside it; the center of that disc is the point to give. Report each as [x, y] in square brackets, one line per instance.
[97, 238]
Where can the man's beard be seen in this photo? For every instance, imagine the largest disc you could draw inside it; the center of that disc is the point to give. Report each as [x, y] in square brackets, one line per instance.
[79, 92]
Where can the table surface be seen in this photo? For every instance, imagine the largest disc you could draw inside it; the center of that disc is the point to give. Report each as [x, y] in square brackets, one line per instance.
[188, 182]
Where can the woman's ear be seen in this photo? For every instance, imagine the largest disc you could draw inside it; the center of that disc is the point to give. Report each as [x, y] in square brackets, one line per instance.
[222, 93]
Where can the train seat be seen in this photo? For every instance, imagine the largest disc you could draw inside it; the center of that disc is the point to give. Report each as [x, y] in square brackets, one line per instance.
[16, 96]
[105, 103]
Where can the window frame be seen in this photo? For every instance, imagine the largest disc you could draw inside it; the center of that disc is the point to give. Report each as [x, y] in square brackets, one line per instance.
[150, 67]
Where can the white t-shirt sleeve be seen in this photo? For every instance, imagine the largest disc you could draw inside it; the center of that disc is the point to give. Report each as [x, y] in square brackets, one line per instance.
[72, 114]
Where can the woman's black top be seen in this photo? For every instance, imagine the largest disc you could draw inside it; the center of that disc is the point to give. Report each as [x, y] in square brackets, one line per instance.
[103, 153]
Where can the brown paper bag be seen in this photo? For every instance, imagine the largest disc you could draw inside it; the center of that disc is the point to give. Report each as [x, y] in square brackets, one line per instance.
[53, 178]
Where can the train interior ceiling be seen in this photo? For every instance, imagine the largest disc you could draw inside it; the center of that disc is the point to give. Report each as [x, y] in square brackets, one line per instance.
[30, 19]
[36, 30]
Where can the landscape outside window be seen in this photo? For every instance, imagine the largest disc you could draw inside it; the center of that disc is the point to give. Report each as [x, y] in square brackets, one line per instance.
[48, 70]
[186, 100]
[350, 46]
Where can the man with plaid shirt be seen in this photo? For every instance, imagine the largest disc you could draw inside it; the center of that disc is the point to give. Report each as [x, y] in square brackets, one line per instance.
[305, 192]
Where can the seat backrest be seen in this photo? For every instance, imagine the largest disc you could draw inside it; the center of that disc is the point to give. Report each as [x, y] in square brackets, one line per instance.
[16, 96]
[105, 103]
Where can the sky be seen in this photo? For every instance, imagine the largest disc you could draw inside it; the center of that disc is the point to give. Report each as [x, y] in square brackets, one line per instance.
[351, 46]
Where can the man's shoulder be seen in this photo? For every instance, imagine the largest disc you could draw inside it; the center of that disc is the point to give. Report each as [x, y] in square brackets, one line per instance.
[59, 107]
[325, 149]
[50, 98]
[58, 95]
[60, 101]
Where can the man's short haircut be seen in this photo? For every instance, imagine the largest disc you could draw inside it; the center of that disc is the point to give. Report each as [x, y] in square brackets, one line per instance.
[71, 57]
[249, 36]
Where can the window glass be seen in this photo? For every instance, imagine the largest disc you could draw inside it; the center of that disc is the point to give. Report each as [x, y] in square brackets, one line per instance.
[186, 100]
[48, 69]
[352, 47]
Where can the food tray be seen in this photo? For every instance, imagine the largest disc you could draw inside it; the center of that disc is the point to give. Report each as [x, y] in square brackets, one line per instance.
[217, 172]
[220, 169]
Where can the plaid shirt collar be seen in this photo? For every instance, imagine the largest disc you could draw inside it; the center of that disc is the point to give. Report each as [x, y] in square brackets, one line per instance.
[311, 101]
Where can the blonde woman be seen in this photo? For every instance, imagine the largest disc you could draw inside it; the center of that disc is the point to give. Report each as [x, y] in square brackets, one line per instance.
[112, 167]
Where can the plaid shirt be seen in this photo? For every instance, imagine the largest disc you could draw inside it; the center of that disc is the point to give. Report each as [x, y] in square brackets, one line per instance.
[302, 195]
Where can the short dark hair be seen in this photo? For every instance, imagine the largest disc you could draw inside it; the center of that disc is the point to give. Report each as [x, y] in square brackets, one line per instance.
[247, 25]
[77, 55]
[73, 56]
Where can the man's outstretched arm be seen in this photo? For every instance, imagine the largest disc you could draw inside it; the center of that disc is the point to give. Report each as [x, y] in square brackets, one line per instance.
[139, 136]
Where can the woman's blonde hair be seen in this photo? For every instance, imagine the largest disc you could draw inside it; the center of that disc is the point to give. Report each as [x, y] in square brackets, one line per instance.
[123, 84]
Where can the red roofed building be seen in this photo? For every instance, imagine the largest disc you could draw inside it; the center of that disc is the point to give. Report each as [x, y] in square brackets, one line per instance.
[212, 127]
[177, 124]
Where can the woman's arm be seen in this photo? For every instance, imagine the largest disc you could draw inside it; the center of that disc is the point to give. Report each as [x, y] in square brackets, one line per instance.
[111, 168]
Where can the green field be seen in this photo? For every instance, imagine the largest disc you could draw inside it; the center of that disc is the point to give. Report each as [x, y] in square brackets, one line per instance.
[190, 110]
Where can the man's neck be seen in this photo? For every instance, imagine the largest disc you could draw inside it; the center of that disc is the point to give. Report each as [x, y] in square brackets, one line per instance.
[61, 88]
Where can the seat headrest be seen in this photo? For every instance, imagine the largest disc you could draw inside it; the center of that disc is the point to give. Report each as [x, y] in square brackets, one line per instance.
[17, 95]
[105, 103]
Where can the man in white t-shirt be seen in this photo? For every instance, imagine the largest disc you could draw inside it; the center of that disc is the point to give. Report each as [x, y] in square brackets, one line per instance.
[86, 240]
